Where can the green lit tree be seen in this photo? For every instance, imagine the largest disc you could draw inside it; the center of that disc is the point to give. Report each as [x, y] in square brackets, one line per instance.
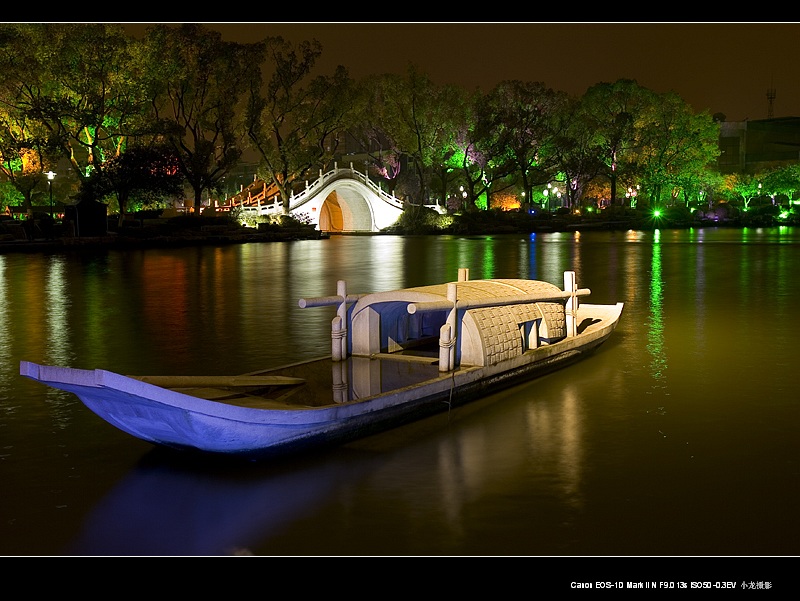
[697, 186]
[782, 180]
[28, 147]
[90, 100]
[745, 186]
[674, 148]
[24, 156]
[482, 155]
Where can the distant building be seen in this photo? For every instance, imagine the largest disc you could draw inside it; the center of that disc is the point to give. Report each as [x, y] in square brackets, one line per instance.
[751, 146]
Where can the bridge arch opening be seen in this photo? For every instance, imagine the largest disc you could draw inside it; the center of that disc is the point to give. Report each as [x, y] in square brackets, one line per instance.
[330, 214]
[346, 209]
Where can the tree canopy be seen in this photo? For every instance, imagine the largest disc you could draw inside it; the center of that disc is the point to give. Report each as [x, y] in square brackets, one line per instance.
[87, 94]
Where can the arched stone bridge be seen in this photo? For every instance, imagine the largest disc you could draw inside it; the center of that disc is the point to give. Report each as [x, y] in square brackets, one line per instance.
[341, 200]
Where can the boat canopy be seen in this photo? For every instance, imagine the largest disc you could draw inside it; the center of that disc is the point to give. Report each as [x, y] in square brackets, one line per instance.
[495, 319]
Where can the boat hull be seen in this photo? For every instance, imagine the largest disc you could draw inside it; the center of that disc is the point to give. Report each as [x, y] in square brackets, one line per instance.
[175, 419]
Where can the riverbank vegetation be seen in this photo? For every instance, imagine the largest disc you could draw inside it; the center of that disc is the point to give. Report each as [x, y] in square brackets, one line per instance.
[161, 121]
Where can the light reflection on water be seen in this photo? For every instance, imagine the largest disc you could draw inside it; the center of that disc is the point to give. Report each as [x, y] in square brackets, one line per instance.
[632, 451]
[5, 324]
[655, 335]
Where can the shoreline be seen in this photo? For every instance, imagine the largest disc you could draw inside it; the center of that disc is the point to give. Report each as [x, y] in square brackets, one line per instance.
[115, 241]
[132, 243]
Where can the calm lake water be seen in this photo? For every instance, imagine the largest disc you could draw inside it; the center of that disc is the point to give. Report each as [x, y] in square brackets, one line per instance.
[679, 437]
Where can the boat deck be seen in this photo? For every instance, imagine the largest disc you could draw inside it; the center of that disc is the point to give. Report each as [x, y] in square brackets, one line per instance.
[328, 382]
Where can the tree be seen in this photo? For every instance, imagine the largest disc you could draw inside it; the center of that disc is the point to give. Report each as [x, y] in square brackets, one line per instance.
[744, 185]
[143, 173]
[782, 180]
[294, 128]
[611, 111]
[482, 155]
[27, 146]
[699, 186]
[525, 116]
[575, 153]
[23, 155]
[420, 119]
[366, 128]
[674, 146]
[197, 83]
[91, 102]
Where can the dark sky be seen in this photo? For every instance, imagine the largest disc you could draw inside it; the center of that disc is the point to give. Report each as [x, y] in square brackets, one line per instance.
[719, 67]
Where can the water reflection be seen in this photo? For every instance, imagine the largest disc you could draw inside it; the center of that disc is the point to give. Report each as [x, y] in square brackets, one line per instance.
[556, 433]
[436, 472]
[655, 331]
[574, 463]
[177, 506]
[5, 349]
[57, 311]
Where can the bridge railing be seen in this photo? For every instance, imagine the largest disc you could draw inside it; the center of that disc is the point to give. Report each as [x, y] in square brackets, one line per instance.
[298, 200]
[273, 205]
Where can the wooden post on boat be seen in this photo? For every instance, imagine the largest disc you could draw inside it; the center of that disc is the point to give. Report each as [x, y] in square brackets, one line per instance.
[463, 274]
[446, 342]
[571, 307]
[339, 323]
[448, 332]
[339, 333]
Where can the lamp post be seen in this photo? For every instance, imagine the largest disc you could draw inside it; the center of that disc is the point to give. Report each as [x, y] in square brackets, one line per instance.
[631, 194]
[50, 177]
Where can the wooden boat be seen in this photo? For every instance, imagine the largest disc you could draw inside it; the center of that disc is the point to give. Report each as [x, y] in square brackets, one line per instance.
[395, 356]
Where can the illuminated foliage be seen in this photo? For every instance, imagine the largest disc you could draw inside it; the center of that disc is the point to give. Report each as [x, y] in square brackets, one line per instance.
[27, 146]
[94, 101]
[525, 117]
[481, 151]
[675, 146]
[87, 93]
[781, 180]
[419, 120]
[369, 127]
[505, 201]
[610, 112]
[576, 154]
[744, 186]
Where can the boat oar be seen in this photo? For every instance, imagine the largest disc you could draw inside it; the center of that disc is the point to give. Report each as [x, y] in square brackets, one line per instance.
[218, 381]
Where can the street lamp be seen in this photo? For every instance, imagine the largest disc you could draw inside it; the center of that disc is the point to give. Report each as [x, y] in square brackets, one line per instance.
[631, 194]
[50, 177]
